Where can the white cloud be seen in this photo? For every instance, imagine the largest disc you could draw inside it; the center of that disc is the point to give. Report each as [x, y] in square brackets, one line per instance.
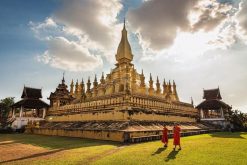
[69, 55]
[242, 20]
[158, 23]
[97, 20]
[208, 14]
[44, 29]
[86, 28]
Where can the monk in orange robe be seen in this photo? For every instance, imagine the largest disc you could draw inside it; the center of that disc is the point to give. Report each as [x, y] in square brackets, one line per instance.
[165, 136]
[176, 136]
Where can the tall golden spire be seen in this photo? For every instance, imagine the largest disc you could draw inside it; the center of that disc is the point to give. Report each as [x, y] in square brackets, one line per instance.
[82, 87]
[169, 88]
[124, 53]
[102, 80]
[76, 88]
[174, 91]
[142, 78]
[164, 87]
[95, 83]
[95, 86]
[151, 88]
[158, 91]
[150, 81]
[72, 88]
[88, 92]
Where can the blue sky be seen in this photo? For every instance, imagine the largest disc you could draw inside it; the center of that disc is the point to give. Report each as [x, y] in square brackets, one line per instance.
[199, 44]
[19, 46]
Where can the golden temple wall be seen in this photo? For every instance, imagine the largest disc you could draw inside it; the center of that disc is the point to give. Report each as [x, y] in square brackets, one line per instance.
[144, 133]
[122, 100]
[159, 117]
[119, 116]
[124, 107]
[102, 135]
[90, 116]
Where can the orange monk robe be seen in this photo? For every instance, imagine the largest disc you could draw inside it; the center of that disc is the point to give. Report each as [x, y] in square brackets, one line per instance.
[176, 135]
[165, 136]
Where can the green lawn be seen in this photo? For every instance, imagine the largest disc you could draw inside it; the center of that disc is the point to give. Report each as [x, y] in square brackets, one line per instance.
[217, 148]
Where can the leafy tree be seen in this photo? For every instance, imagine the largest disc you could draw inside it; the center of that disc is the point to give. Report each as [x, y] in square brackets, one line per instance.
[238, 119]
[5, 108]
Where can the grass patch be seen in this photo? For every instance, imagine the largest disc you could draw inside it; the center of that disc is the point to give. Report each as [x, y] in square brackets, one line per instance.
[216, 148]
[54, 142]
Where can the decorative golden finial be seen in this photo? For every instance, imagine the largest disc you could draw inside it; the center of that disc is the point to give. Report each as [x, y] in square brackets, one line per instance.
[174, 91]
[158, 86]
[102, 80]
[192, 102]
[164, 87]
[151, 89]
[72, 88]
[157, 79]
[88, 85]
[76, 85]
[95, 78]
[82, 86]
[95, 83]
[164, 82]
[169, 87]
[142, 77]
[76, 88]
[82, 92]
[174, 84]
[124, 23]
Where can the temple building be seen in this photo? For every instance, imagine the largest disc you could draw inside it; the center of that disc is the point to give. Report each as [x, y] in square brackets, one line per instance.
[29, 109]
[120, 106]
[213, 109]
[61, 96]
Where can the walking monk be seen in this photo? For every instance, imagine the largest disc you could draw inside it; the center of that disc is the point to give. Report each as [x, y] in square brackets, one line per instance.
[176, 137]
[165, 136]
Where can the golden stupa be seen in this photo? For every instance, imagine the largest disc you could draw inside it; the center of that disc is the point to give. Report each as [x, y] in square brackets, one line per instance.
[121, 107]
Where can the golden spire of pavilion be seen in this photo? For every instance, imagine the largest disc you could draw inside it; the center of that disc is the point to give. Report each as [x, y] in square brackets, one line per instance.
[63, 81]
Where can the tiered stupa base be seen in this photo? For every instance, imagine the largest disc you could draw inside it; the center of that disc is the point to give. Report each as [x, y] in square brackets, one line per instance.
[121, 131]
[122, 123]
